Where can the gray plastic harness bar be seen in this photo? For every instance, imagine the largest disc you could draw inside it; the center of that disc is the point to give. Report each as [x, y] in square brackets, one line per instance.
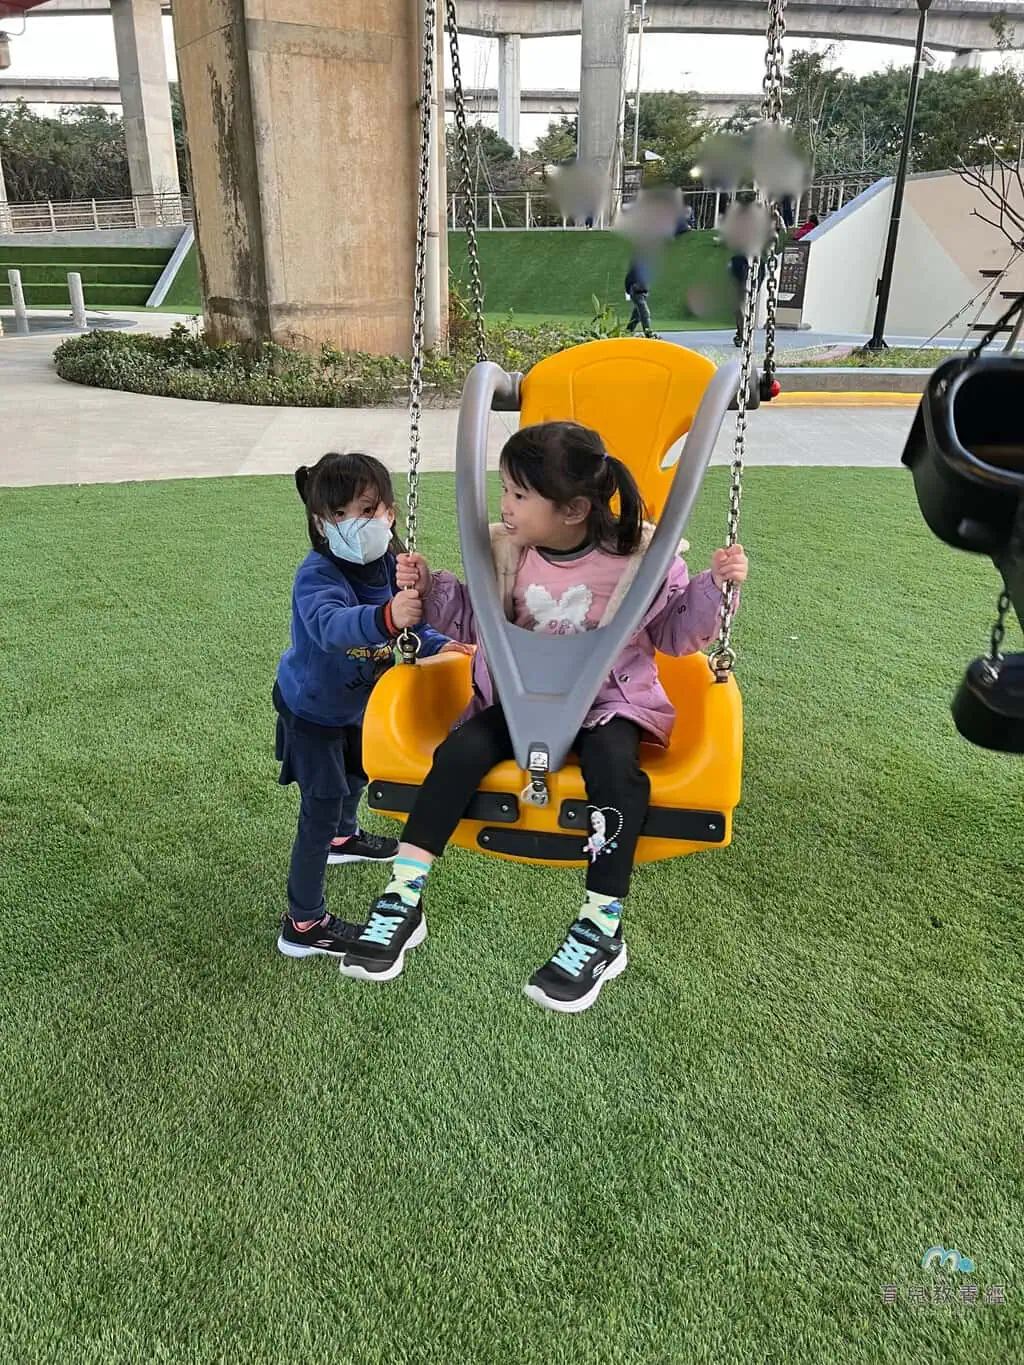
[547, 684]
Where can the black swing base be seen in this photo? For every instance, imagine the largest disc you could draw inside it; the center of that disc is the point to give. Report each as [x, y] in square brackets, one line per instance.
[989, 707]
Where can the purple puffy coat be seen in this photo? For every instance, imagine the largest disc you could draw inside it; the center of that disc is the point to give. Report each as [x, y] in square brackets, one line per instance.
[683, 619]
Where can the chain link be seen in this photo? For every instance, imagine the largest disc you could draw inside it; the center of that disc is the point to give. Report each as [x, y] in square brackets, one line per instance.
[409, 641]
[462, 144]
[999, 631]
[771, 112]
[723, 657]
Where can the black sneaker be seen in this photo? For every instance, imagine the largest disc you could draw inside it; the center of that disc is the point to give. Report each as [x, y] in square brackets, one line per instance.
[329, 937]
[378, 954]
[572, 980]
[364, 848]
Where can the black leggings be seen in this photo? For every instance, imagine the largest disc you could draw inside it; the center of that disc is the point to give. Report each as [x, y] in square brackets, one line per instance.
[609, 759]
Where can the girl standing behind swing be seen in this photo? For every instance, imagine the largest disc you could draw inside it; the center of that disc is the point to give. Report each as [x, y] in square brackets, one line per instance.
[564, 557]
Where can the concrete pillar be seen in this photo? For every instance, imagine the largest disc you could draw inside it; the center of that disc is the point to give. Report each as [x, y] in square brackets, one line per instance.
[969, 60]
[5, 212]
[18, 302]
[145, 97]
[602, 85]
[509, 88]
[303, 141]
[77, 295]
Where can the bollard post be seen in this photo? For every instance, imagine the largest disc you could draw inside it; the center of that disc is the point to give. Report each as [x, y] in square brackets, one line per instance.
[77, 301]
[18, 299]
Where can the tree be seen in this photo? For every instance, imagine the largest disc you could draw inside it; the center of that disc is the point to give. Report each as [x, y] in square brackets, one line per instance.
[80, 155]
[558, 144]
[494, 166]
[1001, 187]
[671, 125]
[846, 123]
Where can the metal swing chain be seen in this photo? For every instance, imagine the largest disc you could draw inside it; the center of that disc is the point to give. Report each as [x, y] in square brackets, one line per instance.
[995, 658]
[723, 657]
[462, 144]
[771, 112]
[409, 641]
[994, 662]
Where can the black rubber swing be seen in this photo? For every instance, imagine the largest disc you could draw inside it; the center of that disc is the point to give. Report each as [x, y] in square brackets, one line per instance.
[966, 453]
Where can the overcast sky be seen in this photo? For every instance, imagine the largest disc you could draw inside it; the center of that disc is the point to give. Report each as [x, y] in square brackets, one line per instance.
[85, 47]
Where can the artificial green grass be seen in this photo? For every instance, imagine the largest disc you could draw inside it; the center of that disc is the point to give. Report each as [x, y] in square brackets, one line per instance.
[91, 274]
[557, 274]
[547, 275]
[96, 295]
[112, 277]
[896, 357]
[622, 313]
[72, 256]
[809, 1073]
[185, 295]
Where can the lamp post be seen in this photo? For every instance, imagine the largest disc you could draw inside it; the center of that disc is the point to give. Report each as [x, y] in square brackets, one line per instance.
[636, 98]
[877, 341]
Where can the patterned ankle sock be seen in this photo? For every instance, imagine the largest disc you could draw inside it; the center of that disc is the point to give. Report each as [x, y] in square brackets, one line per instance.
[604, 911]
[408, 881]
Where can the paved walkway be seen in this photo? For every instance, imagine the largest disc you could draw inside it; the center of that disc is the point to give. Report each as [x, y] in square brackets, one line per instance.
[57, 433]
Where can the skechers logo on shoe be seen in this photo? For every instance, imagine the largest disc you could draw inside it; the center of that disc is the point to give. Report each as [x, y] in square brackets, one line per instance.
[599, 968]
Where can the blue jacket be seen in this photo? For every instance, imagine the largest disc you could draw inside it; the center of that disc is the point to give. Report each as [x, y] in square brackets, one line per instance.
[340, 645]
[639, 275]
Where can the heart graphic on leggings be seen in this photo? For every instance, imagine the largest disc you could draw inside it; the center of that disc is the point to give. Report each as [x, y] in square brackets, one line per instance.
[606, 825]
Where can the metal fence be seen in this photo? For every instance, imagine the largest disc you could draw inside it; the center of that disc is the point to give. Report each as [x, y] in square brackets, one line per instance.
[539, 210]
[523, 210]
[85, 215]
[831, 193]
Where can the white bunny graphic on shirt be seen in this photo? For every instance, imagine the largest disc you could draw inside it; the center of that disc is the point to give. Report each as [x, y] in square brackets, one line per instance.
[566, 615]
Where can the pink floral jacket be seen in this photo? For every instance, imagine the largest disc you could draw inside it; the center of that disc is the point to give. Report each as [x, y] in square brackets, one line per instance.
[682, 619]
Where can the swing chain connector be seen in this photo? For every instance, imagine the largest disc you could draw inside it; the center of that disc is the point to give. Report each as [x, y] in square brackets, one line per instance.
[722, 660]
[409, 645]
[535, 793]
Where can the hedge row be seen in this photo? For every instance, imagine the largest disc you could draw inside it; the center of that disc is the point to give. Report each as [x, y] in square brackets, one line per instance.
[186, 365]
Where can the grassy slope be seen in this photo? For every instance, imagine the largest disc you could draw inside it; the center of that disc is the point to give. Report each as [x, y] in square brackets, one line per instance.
[810, 1072]
[548, 274]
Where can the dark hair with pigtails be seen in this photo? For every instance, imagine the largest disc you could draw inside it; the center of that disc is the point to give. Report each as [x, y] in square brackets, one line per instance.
[562, 461]
[335, 481]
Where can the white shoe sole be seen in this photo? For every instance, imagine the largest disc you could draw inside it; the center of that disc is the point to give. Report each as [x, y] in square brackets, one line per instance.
[300, 950]
[333, 859]
[546, 1002]
[358, 973]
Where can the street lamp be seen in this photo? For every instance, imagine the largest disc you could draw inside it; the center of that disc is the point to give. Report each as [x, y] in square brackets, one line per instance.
[877, 341]
[636, 99]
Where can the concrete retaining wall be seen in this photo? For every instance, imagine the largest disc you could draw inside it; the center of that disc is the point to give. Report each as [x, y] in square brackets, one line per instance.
[162, 237]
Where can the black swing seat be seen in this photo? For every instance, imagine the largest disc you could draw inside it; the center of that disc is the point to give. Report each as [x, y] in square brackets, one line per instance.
[966, 453]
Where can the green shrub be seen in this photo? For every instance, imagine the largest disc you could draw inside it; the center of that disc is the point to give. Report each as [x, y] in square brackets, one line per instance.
[184, 364]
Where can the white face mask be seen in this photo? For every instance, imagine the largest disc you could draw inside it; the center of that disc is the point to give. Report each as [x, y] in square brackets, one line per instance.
[358, 540]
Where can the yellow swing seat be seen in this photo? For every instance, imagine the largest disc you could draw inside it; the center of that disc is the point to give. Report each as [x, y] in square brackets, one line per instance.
[642, 396]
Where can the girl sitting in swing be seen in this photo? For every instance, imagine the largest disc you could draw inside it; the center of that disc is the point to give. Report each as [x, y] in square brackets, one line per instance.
[564, 558]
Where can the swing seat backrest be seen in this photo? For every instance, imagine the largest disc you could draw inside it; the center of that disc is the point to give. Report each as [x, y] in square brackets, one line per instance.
[641, 395]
